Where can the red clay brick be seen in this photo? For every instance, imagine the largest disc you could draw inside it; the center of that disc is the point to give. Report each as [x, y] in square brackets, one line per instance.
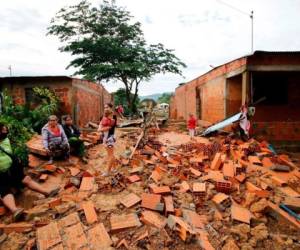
[266, 161]
[278, 181]
[120, 222]
[33, 161]
[134, 178]
[223, 186]
[154, 219]
[89, 211]
[69, 220]
[240, 178]
[228, 169]
[74, 171]
[199, 187]
[18, 227]
[161, 190]
[54, 202]
[152, 201]
[98, 237]
[195, 172]
[50, 168]
[75, 237]
[194, 219]
[169, 206]
[254, 160]
[251, 187]
[130, 200]
[155, 176]
[240, 214]
[216, 163]
[48, 236]
[87, 184]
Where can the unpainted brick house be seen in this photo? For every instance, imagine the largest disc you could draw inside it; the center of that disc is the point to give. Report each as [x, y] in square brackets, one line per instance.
[273, 77]
[83, 99]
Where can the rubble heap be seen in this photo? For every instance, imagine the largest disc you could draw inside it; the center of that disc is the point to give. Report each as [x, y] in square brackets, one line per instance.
[216, 193]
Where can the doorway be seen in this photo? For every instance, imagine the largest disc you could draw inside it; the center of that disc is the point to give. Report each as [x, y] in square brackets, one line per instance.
[198, 104]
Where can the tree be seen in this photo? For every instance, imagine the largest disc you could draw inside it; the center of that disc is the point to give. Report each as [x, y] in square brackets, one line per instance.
[108, 45]
[120, 99]
[164, 98]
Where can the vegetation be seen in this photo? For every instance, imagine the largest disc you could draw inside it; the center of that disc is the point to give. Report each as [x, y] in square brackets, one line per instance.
[108, 45]
[120, 99]
[23, 121]
[164, 98]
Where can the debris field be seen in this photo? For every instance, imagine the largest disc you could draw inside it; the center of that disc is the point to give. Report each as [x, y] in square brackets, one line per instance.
[168, 193]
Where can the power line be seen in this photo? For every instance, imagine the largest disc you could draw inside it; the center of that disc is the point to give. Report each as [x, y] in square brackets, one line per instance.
[233, 7]
[251, 15]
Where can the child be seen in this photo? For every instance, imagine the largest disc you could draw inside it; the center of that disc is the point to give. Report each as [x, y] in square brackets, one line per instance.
[192, 126]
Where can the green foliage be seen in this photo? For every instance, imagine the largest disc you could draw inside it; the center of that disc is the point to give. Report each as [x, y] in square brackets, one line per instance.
[120, 99]
[164, 98]
[23, 122]
[108, 45]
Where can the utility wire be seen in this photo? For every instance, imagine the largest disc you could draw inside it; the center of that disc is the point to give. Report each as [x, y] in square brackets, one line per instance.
[233, 7]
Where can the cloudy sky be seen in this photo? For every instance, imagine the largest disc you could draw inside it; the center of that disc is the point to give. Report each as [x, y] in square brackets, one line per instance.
[202, 33]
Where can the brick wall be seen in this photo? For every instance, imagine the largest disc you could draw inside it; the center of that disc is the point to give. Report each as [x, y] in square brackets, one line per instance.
[61, 86]
[276, 131]
[213, 100]
[272, 123]
[212, 97]
[83, 96]
[89, 99]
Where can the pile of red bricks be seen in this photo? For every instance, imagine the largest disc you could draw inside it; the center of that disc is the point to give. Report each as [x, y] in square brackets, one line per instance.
[190, 196]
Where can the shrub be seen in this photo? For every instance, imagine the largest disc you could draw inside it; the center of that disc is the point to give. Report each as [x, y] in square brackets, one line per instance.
[23, 122]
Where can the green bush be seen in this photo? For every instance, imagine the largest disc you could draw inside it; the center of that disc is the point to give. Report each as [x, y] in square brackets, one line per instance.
[23, 122]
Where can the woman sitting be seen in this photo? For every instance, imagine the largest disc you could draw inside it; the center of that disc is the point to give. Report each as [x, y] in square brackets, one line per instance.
[12, 176]
[73, 134]
[55, 140]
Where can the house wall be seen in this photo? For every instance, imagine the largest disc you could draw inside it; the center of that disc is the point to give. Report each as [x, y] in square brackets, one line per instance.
[213, 100]
[84, 100]
[61, 87]
[212, 88]
[233, 95]
[272, 123]
[88, 101]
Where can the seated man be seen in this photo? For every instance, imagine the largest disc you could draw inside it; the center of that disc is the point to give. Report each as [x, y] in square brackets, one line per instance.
[12, 176]
[73, 135]
[55, 140]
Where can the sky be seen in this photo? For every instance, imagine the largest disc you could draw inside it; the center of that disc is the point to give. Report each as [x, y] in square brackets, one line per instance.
[202, 33]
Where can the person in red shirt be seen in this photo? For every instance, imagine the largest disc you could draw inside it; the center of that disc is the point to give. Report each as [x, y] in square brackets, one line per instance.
[120, 110]
[191, 124]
